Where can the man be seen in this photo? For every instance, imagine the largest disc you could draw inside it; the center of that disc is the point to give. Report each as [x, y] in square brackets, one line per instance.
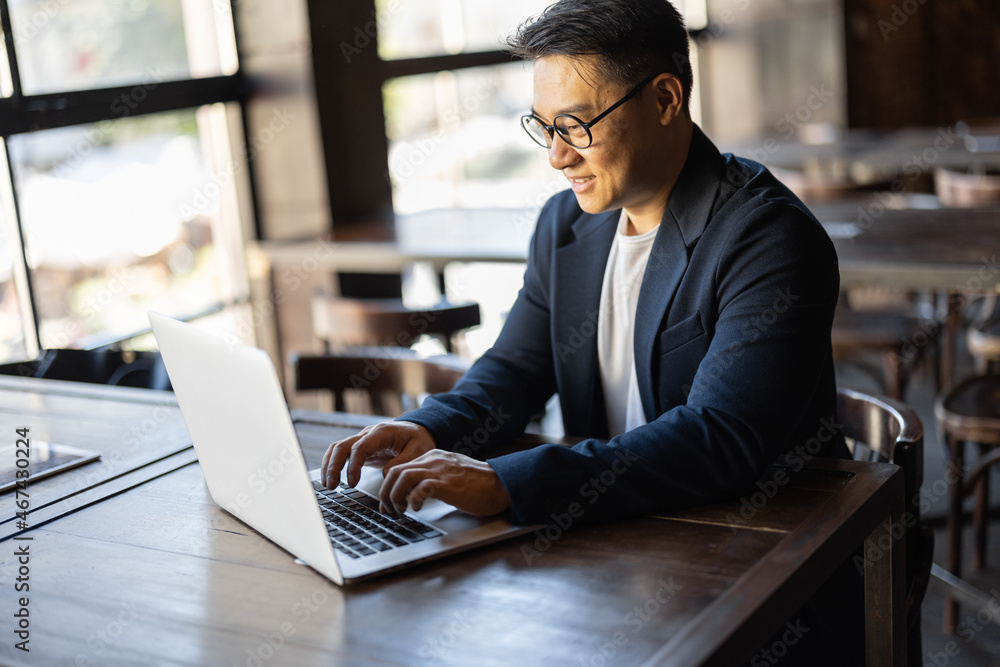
[678, 300]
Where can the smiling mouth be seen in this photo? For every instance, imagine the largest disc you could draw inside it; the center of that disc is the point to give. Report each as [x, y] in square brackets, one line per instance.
[581, 185]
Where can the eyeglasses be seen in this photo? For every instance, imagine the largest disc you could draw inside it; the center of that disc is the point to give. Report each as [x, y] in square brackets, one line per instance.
[571, 129]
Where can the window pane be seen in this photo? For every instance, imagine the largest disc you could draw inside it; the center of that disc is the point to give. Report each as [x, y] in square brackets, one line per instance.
[12, 343]
[417, 28]
[456, 141]
[6, 83]
[79, 44]
[124, 216]
[695, 13]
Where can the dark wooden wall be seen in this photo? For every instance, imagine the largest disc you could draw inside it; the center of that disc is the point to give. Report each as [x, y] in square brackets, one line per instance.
[921, 62]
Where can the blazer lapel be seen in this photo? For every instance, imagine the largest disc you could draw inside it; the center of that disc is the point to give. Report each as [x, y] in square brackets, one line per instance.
[579, 274]
[668, 260]
[688, 211]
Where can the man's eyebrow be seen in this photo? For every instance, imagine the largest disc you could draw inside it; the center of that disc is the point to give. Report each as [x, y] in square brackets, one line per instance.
[574, 109]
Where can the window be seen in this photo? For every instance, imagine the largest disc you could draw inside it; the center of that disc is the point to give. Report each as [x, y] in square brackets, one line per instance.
[433, 77]
[13, 344]
[120, 121]
[455, 141]
[85, 44]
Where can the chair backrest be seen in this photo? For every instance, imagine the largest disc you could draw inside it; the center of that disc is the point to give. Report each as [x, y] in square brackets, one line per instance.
[886, 430]
[394, 380]
[342, 323]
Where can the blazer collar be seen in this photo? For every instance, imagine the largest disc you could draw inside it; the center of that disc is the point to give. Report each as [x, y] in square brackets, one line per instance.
[588, 223]
[691, 205]
[694, 196]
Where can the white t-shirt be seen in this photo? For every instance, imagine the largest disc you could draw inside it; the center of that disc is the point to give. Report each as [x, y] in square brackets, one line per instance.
[616, 327]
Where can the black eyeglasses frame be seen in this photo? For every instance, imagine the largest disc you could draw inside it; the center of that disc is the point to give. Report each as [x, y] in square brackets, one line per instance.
[553, 129]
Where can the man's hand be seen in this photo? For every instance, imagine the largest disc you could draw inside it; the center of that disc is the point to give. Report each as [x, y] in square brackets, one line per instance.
[456, 479]
[391, 442]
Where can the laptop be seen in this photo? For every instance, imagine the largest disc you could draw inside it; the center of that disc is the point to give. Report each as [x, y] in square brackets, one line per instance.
[243, 435]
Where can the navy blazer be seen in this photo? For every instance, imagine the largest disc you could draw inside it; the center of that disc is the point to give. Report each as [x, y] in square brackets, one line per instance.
[732, 352]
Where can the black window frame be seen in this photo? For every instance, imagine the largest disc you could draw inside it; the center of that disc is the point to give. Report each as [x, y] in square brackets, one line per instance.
[348, 76]
[22, 113]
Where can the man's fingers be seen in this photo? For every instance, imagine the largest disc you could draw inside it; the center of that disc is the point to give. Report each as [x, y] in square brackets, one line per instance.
[323, 463]
[397, 442]
[335, 458]
[426, 489]
[327, 459]
[397, 484]
[405, 481]
[455, 479]
[359, 452]
[405, 456]
[388, 483]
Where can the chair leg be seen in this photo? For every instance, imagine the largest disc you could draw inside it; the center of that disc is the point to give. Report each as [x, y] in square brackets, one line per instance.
[979, 519]
[934, 361]
[949, 333]
[893, 372]
[378, 406]
[955, 451]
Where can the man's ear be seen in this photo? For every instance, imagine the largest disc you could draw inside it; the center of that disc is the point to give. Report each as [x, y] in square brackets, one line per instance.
[669, 97]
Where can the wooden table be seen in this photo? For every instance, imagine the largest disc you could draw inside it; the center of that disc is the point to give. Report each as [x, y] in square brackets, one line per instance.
[159, 575]
[947, 250]
[139, 434]
[952, 251]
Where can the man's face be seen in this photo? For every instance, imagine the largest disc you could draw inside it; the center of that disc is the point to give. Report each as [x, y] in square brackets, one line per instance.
[619, 169]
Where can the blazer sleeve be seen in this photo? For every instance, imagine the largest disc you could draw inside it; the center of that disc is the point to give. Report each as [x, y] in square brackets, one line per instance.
[776, 286]
[511, 383]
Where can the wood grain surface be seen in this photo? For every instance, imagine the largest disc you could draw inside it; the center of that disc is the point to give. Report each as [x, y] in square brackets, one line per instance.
[159, 575]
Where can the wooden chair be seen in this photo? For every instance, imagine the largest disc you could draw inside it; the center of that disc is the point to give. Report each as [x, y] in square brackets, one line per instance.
[891, 335]
[969, 412]
[886, 430]
[342, 323]
[983, 337]
[394, 380]
[970, 188]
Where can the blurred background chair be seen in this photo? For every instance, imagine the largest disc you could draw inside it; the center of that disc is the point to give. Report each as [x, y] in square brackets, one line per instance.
[125, 368]
[881, 429]
[387, 381]
[891, 333]
[969, 412]
[978, 185]
[983, 336]
[343, 323]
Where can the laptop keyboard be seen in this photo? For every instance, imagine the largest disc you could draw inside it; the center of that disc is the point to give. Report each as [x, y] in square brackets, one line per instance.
[357, 528]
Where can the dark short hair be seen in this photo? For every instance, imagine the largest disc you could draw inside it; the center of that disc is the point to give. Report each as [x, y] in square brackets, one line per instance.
[632, 39]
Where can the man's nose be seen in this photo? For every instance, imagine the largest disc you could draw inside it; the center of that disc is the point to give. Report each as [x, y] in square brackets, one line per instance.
[561, 154]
